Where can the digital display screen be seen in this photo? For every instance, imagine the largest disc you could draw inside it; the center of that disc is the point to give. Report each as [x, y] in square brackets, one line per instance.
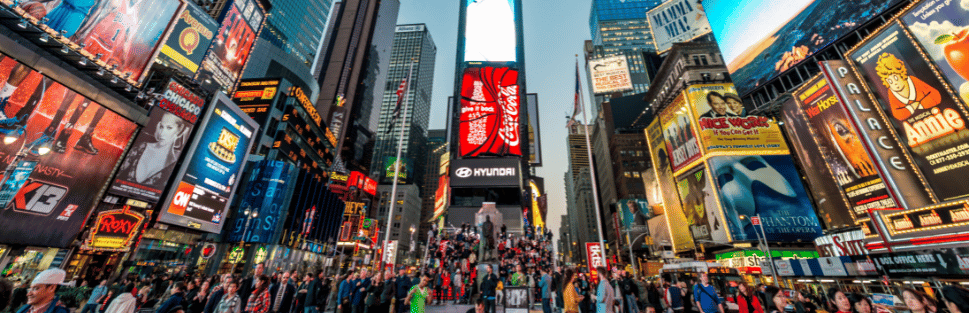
[490, 33]
[490, 111]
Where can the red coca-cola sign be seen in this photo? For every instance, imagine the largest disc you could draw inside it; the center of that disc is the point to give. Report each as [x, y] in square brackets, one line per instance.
[490, 103]
[114, 230]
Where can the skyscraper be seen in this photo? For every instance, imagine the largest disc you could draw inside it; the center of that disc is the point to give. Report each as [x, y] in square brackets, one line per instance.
[437, 145]
[411, 42]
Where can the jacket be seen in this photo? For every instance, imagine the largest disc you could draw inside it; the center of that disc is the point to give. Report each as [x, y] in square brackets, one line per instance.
[288, 293]
[53, 308]
[214, 299]
[345, 291]
[674, 299]
[403, 287]
[744, 306]
[177, 299]
[488, 286]
[123, 303]
[360, 292]
[313, 297]
[546, 285]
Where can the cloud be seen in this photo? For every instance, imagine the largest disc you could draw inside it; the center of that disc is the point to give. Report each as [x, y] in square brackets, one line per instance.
[928, 32]
[964, 4]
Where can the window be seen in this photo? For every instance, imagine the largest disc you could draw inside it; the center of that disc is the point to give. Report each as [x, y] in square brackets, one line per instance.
[703, 59]
[696, 60]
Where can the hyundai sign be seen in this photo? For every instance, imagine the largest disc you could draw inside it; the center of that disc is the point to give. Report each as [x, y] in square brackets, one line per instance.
[505, 172]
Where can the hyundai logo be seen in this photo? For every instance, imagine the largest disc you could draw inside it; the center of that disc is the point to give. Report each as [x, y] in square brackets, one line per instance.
[463, 172]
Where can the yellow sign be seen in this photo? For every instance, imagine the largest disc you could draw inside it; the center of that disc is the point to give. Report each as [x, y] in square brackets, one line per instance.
[680, 139]
[725, 125]
[675, 219]
[304, 101]
[354, 208]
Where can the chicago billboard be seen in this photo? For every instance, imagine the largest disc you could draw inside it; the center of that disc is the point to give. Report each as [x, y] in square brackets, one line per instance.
[65, 146]
[152, 158]
[190, 38]
[676, 21]
[490, 31]
[126, 34]
[204, 186]
[227, 57]
[489, 112]
[610, 74]
[725, 125]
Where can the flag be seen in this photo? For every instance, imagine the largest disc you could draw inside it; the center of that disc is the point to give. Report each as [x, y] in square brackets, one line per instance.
[577, 105]
[400, 97]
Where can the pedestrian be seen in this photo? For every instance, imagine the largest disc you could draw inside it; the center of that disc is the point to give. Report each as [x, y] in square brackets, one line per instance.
[259, 300]
[687, 292]
[705, 296]
[386, 297]
[956, 299]
[860, 303]
[215, 297]
[558, 287]
[747, 300]
[282, 293]
[177, 299]
[360, 291]
[545, 283]
[346, 293]
[374, 291]
[249, 283]
[570, 294]
[918, 302]
[19, 296]
[489, 286]
[605, 295]
[630, 292]
[404, 284]
[42, 293]
[197, 302]
[778, 303]
[97, 295]
[654, 297]
[230, 302]
[838, 301]
[125, 302]
[674, 298]
[418, 296]
[803, 299]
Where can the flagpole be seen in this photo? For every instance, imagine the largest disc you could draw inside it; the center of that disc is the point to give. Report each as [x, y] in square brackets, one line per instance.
[400, 147]
[592, 174]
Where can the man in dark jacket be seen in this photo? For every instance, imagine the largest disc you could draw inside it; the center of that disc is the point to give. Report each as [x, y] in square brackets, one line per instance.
[42, 292]
[313, 299]
[360, 291]
[249, 284]
[488, 286]
[404, 284]
[177, 299]
[389, 291]
[281, 295]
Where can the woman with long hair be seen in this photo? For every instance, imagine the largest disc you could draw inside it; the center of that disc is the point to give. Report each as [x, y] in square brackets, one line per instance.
[373, 293]
[838, 301]
[918, 302]
[571, 295]
[418, 296]
[860, 303]
[776, 302]
[747, 300]
[197, 302]
[259, 301]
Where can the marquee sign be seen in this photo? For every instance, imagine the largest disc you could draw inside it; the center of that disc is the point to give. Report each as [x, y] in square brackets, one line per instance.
[114, 230]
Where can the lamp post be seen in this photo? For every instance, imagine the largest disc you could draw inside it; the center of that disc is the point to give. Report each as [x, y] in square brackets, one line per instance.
[249, 216]
[765, 247]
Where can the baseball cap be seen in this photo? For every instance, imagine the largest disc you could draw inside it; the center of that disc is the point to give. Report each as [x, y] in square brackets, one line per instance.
[51, 276]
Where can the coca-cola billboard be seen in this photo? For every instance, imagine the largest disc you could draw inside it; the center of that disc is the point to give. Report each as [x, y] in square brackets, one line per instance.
[490, 104]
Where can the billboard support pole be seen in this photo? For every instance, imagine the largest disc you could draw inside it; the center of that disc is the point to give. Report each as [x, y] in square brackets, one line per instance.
[592, 174]
[400, 147]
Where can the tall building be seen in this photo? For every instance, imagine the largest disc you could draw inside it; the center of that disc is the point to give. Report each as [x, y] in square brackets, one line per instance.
[578, 149]
[437, 146]
[411, 42]
[620, 27]
[406, 217]
[353, 69]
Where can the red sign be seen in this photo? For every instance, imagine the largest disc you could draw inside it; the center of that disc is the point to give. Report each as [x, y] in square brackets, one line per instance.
[490, 102]
[365, 183]
[755, 220]
[596, 258]
[114, 230]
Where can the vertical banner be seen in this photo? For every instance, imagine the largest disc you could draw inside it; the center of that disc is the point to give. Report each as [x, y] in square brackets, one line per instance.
[227, 57]
[596, 258]
[725, 125]
[265, 194]
[489, 117]
[678, 229]
[681, 141]
[390, 253]
[443, 192]
[769, 186]
[190, 38]
[843, 148]
[635, 214]
[925, 115]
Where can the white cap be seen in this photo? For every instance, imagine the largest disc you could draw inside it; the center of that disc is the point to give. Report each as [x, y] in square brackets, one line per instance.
[51, 276]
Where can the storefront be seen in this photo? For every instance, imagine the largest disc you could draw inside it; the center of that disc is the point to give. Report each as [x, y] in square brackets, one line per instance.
[750, 263]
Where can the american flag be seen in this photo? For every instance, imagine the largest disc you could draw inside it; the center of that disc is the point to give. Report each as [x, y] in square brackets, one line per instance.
[577, 105]
[400, 98]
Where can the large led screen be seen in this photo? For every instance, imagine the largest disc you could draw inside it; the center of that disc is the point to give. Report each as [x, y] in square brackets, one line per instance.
[124, 33]
[202, 190]
[227, 57]
[490, 111]
[265, 193]
[189, 40]
[490, 31]
[762, 38]
[66, 146]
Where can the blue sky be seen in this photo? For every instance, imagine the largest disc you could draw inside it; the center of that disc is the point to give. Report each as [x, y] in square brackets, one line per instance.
[741, 24]
[554, 33]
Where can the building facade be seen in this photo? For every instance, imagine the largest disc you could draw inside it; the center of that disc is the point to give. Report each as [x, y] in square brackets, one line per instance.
[406, 220]
[437, 146]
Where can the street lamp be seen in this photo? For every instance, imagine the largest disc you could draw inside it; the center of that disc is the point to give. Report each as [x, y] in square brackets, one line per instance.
[249, 216]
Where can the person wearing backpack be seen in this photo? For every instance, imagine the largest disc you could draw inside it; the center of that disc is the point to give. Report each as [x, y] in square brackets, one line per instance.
[705, 296]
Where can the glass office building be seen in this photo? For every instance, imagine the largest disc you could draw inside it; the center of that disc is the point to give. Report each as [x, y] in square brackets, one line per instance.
[620, 27]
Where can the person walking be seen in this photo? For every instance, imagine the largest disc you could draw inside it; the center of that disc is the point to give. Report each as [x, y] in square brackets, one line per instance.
[489, 284]
[97, 296]
[230, 302]
[418, 296]
[570, 292]
[605, 295]
[630, 292]
[748, 301]
[705, 296]
[545, 283]
[259, 300]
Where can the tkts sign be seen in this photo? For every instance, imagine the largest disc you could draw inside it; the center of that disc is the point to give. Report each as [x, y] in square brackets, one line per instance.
[114, 230]
[490, 102]
[596, 258]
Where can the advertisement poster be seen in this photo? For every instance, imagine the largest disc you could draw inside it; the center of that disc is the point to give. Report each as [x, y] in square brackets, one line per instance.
[681, 141]
[843, 148]
[596, 258]
[610, 74]
[255, 97]
[760, 39]
[534, 131]
[659, 233]
[828, 196]
[490, 33]
[678, 229]
[489, 117]
[318, 213]
[634, 215]
[152, 158]
[928, 120]
[443, 192]
[114, 230]
[769, 186]
[725, 125]
[223, 64]
[406, 167]
[676, 21]
[941, 27]
[265, 194]
[189, 40]
[125, 33]
[204, 186]
[76, 144]
[692, 188]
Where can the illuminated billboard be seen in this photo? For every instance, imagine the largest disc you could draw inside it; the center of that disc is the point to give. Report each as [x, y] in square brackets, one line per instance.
[204, 186]
[534, 131]
[700, 206]
[929, 121]
[151, 160]
[126, 34]
[406, 168]
[227, 57]
[634, 215]
[66, 147]
[255, 97]
[443, 193]
[726, 126]
[610, 74]
[190, 38]
[680, 138]
[489, 112]
[490, 31]
[265, 193]
[760, 39]
[315, 213]
[676, 21]
[681, 239]
[940, 27]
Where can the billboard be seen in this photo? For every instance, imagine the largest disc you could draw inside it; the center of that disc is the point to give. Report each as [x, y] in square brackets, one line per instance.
[265, 194]
[504, 172]
[658, 147]
[928, 120]
[189, 39]
[223, 64]
[443, 192]
[828, 197]
[534, 131]
[596, 258]
[203, 187]
[842, 148]
[725, 125]
[760, 39]
[700, 206]
[676, 21]
[769, 186]
[255, 97]
[66, 147]
[634, 215]
[315, 213]
[403, 174]
[114, 230]
[610, 74]
[151, 160]
[489, 116]
[938, 26]
[490, 31]
[126, 34]
[680, 138]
